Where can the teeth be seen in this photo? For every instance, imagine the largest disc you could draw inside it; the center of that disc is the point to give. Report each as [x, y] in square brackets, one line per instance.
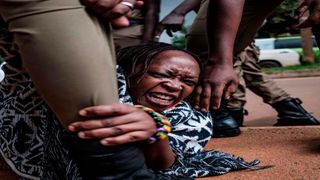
[162, 96]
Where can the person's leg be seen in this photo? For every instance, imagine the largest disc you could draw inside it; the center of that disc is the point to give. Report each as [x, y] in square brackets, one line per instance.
[69, 56]
[258, 81]
[67, 53]
[238, 99]
[290, 111]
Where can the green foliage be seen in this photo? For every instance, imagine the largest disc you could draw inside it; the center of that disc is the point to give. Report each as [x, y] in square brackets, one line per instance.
[180, 40]
[304, 66]
[281, 21]
[287, 7]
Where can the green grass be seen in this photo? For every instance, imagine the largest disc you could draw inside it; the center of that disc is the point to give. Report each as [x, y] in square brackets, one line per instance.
[305, 66]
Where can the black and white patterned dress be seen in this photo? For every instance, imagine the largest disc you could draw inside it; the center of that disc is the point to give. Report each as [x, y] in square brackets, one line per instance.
[29, 135]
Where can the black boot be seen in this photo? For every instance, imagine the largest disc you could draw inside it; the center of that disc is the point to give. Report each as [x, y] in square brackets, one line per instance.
[291, 113]
[226, 122]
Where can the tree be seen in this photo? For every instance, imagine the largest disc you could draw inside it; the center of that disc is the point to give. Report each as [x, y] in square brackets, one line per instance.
[306, 43]
[280, 21]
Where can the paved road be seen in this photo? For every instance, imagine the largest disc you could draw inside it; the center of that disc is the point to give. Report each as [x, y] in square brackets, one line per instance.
[307, 89]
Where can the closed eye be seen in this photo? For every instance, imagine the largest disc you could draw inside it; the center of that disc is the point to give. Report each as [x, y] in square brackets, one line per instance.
[158, 75]
[190, 82]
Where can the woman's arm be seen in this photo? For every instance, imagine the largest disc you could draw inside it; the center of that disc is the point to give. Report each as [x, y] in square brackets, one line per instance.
[159, 156]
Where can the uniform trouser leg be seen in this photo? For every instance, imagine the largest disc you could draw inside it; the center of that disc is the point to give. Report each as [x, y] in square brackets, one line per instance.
[238, 98]
[259, 82]
[67, 53]
[69, 56]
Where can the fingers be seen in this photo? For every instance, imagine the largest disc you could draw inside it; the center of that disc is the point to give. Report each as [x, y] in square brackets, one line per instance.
[209, 97]
[120, 134]
[115, 121]
[115, 131]
[126, 138]
[120, 22]
[139, 3]
[230, 89]
[113, 10]
[169, 32]
[172, 28]
[101, 123]
[106, 116]
[197, 97]
[106, 110]
[119, 10]
[205, 97]
[216, 94]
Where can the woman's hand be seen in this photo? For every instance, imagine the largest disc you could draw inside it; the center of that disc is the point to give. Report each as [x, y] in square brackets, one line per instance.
[114, 124]
[114, 10]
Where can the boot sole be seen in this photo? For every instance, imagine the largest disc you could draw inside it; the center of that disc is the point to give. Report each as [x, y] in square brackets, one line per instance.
[226, 133]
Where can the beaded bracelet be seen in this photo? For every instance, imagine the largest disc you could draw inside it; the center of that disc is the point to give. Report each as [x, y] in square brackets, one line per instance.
[162, 123]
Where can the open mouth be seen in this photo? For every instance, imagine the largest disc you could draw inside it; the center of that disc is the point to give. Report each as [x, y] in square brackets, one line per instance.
[161, 99]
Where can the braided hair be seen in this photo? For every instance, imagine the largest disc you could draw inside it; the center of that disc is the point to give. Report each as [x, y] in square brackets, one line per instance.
[135, 60]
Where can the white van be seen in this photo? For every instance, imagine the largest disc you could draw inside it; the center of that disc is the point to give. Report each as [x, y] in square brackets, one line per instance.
[273, 56]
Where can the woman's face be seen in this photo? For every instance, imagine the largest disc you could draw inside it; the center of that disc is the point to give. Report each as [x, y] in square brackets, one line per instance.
[171, 77]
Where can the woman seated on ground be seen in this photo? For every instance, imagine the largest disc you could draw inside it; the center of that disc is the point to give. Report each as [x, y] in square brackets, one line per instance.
[161, 76]
[158, 76]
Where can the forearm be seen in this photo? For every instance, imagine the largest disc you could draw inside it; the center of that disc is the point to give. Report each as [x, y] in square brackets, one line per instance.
[159, 155]
[151, 20]
[224, 17]
[186, 6]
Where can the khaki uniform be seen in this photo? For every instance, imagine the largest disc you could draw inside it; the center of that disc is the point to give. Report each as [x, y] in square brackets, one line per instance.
[245, 61]
[69, 72]
[131, 35]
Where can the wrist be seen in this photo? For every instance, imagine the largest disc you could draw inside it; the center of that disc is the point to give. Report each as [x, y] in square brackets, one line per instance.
[162, 123]
[220, 60]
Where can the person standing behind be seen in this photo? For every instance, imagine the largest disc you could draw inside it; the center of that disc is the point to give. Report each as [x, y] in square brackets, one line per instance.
[230, 116]
[229, 33]
[290, 111]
